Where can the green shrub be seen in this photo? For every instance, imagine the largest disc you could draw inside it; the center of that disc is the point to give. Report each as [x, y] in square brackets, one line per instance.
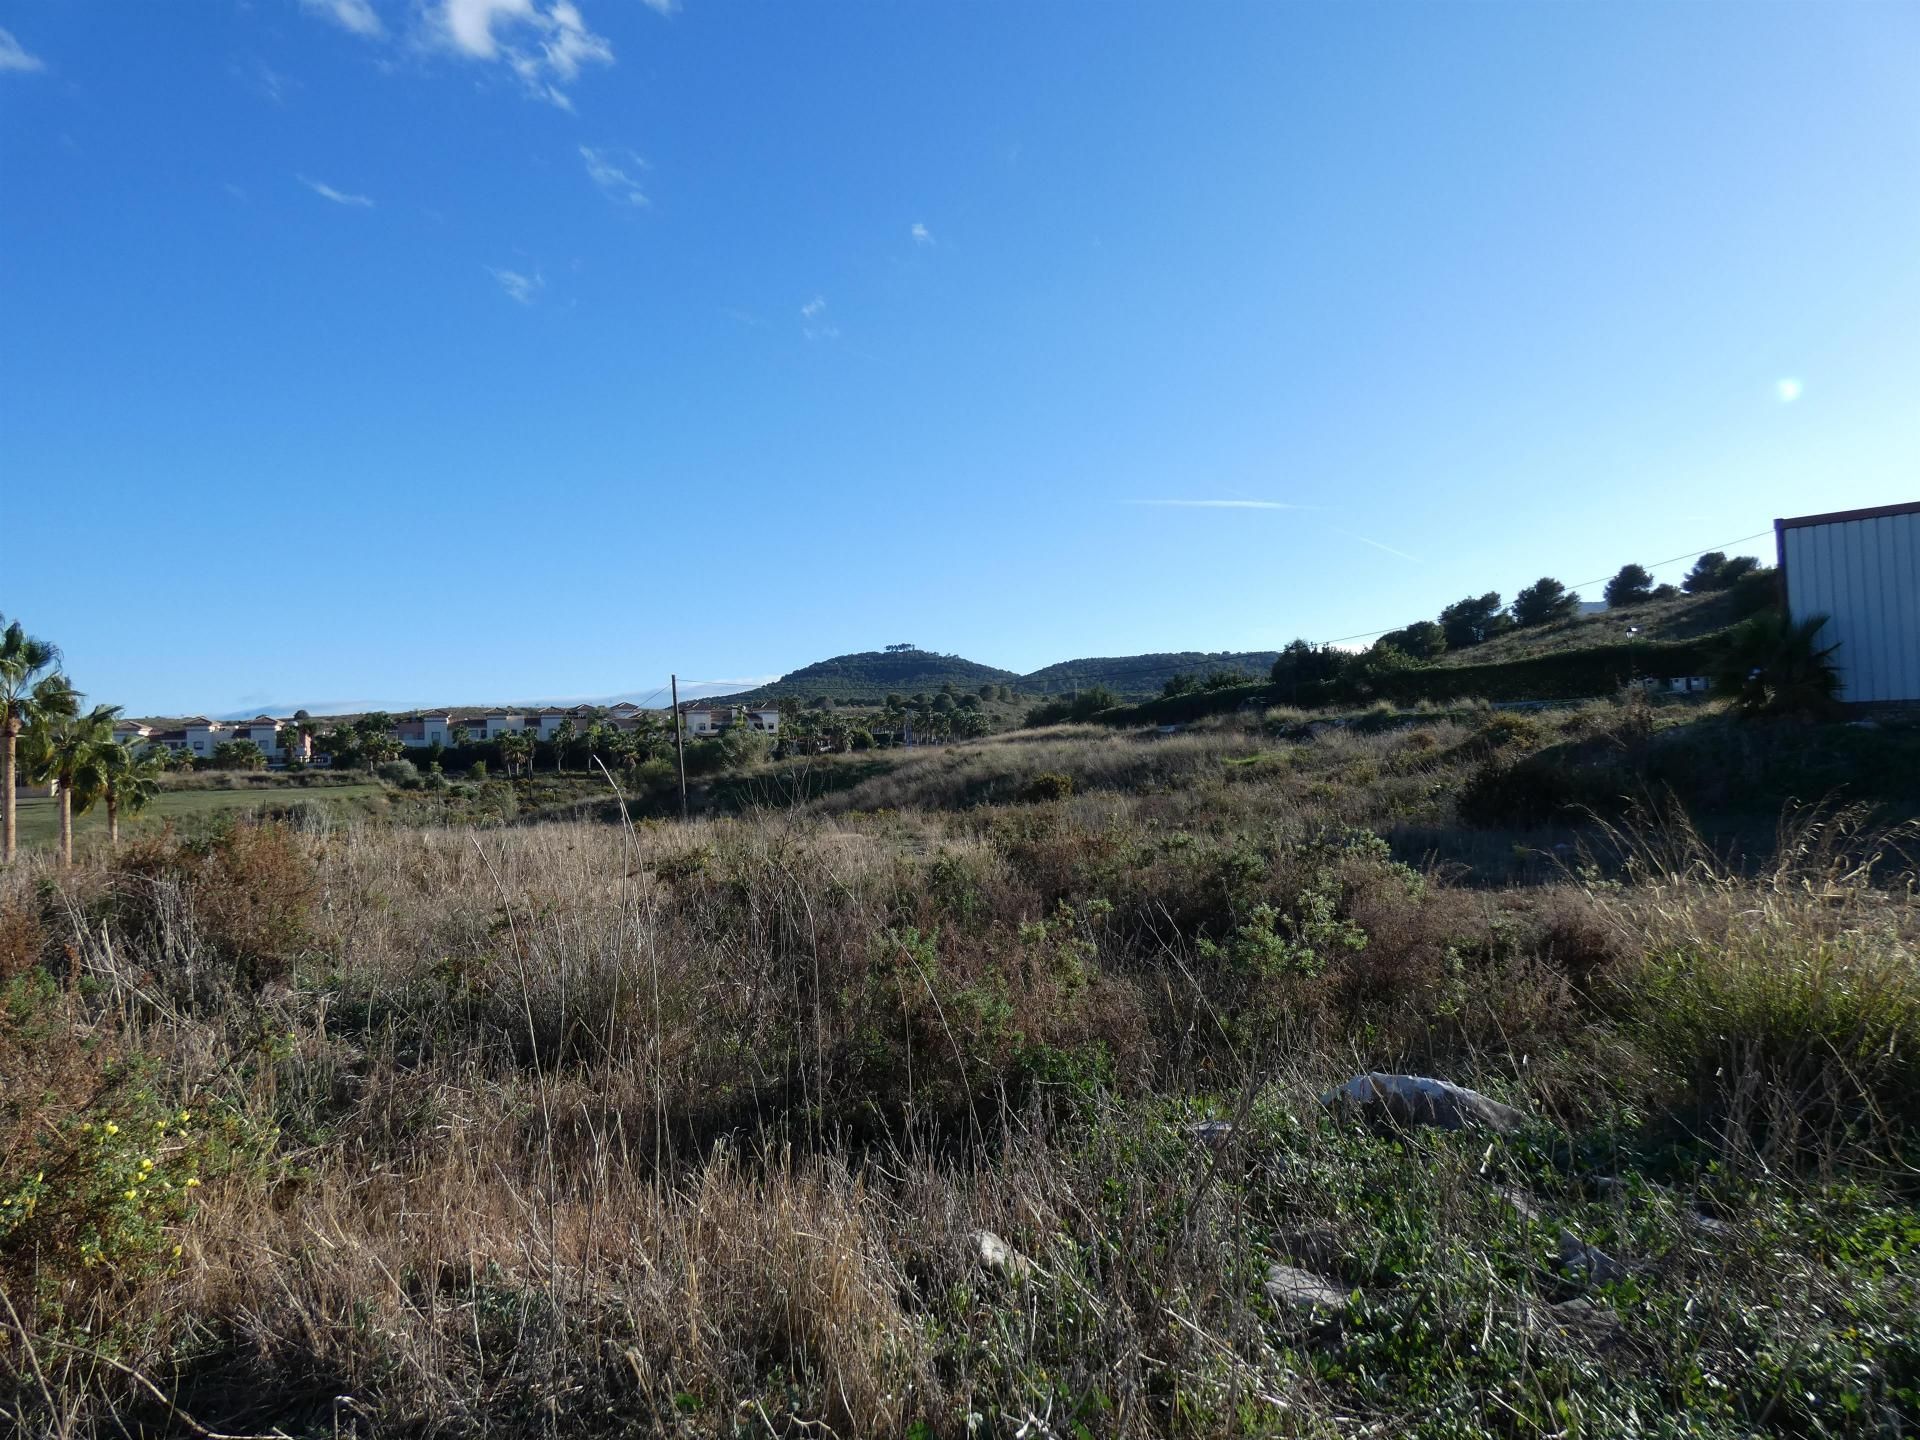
[1782, 1025]
[1049, 785]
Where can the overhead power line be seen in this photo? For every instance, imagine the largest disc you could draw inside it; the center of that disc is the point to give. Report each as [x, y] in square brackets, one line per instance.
[1598, 579]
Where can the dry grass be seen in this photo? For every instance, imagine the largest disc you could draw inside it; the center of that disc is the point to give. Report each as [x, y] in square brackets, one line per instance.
[579, 1128]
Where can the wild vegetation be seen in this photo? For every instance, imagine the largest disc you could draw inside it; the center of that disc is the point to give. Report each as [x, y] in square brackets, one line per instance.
[978, 1091]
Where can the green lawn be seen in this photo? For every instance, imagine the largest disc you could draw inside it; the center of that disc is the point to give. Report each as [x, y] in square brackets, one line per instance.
[40, 819]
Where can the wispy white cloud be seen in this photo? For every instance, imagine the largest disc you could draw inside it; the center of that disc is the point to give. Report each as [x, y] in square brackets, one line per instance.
[814, 323]
[358, 16]
[1787, 390]
[1379, 546]
[15, 57]
[1224, 504]
[612, 171]
[546, 47]
[338, 197]
[921, 235]
[661, 7]
[523, 288]
[263, 80]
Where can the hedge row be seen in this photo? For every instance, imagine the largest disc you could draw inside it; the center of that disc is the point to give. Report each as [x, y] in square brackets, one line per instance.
[1559, 675]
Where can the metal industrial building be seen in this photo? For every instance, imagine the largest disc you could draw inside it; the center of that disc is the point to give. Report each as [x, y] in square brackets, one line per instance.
[1861, 569]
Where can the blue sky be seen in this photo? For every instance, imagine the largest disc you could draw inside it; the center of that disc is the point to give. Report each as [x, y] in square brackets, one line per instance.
[399, 351]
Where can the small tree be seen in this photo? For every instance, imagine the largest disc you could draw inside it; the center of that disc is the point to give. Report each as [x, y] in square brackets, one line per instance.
[1423, 640]
[1714, 571]
[1545, 601]
[238, 755]
[1631, 586]
[30, 688]
[1474, 620]
[1705, 574]
[1383, 659]
[1180, 683]
[70, 750]
[1303, 663]
[128, 781]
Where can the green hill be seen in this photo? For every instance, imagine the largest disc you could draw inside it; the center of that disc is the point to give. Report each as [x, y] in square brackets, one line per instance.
[1689, 617]
[871, 675]
[1133, 676]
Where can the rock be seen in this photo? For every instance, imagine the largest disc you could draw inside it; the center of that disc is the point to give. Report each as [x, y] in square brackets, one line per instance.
[1579, 1259]
[1420, 1100]
[1518, 1201]
[1317, 1246]
[1214, 1134]
[998, 1256]
[1587, 1319]
[1303, 1291]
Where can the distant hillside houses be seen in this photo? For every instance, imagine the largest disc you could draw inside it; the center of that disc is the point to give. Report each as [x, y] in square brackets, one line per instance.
[438, 727]
[285, 741]
[705, 718]
[279, 740]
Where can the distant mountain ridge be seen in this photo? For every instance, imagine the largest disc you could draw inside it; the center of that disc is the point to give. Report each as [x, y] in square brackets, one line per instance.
[872, 675]
[1137, 675]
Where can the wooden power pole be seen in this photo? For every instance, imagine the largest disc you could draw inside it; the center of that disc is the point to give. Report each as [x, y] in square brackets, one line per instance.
[679, 743]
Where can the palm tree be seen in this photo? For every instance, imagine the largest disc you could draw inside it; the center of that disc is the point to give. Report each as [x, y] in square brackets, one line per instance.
[70, 750]
[1774, 665]
[26, 691]
[127, 782]
[514, 746]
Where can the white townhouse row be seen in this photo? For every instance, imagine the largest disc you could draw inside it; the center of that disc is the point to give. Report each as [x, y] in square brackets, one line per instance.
[279, 740]
[439, 727]
[704, 718]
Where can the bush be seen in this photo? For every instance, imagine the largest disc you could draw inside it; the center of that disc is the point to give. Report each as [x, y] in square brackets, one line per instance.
[1050, 785]
[401, 773]
[240, 900]
[1782, 1027]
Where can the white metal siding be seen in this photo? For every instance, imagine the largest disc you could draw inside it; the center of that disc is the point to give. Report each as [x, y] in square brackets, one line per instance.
[1865, 576]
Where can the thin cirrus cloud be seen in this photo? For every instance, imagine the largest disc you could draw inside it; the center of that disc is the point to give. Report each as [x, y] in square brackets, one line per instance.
[921, 235]
[612, 171]
[1378, 545]
[523, 288]
[338, 197]
[357, 16]
[1223, 504]
[15, 57]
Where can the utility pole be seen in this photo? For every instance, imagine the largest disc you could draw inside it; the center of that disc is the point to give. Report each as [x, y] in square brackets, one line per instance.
[679, 743]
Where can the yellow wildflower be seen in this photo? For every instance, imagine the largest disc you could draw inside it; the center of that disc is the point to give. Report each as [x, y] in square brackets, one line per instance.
[112, 1129]
[192, 1180]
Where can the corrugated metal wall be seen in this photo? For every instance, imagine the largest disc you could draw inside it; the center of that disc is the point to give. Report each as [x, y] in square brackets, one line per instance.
[1865, 575]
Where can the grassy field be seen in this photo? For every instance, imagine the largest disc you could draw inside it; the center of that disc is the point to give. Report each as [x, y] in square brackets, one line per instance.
[39, 820]
[979, 1092]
